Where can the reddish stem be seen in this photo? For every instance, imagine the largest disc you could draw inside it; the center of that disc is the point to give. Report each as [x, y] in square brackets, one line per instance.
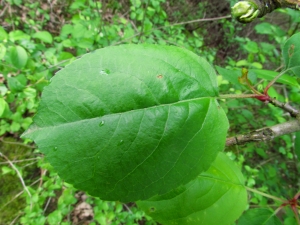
[263, 98]
[293, 203]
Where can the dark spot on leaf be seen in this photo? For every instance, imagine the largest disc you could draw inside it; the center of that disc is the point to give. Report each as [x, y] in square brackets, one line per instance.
[159, 76]
[152, 209]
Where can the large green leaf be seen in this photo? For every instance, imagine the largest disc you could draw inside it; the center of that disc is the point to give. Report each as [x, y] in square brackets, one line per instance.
[291, 54]
[217, 196]
[129, 122]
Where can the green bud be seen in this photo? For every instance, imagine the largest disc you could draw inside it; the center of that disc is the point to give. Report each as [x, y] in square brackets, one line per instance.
[244, 11]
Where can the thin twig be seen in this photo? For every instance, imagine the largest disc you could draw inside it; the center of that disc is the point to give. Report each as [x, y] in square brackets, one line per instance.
[20, 177]
[285, 106]
[278, 76]
[19, 161]
[101, 23]
[275, 79]
[47, 204]
[3, 10]
[15, 219]
[128, 209]
[268, 133]
[43, 173]
[17, 143]
[199, 20]
[265, 162]
[18, 195]
[233, 96]
[265, 195]
[265, 134]
[10, 14]
[143, 21]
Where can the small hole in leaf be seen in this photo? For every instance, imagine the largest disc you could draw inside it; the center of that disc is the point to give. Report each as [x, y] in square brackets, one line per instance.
[152, 209]
[105, 72]
[159, 76]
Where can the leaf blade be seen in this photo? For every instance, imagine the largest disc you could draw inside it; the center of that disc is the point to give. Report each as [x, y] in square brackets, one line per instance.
[217, 196]
[18, 56]
[43, 36]
[259, 216]
[270, 75]
[291, 54]
[127, 119]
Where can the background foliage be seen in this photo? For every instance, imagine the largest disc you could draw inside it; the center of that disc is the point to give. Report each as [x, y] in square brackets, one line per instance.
[38, 38]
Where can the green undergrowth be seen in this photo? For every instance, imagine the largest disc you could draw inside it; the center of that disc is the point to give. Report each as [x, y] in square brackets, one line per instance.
[37, 39]
[11, 200]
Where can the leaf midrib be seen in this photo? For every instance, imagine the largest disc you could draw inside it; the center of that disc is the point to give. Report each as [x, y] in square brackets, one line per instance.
[34, 127]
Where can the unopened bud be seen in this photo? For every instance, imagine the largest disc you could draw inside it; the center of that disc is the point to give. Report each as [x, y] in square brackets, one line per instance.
[244, 11]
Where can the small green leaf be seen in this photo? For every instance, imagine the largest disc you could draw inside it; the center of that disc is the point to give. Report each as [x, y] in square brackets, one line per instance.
[270, 75]
[2, 51]
[242, 62]
[264, 28]
[17, 35]
[270, 29]
[65, 55]
[144, 120]
[7, 170]
[78, 31]
[66, 30]
[233, 76]
[259, 217]
[17, 84]
[290, 220]
[251, 46]
[67, 198]
[54, 218]
[85, 43]
[44, 36]
[217, 196]
[3, 34]
[256, 65]
[230, 75]
[291, 54]
[3, 106]
[18, 56]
